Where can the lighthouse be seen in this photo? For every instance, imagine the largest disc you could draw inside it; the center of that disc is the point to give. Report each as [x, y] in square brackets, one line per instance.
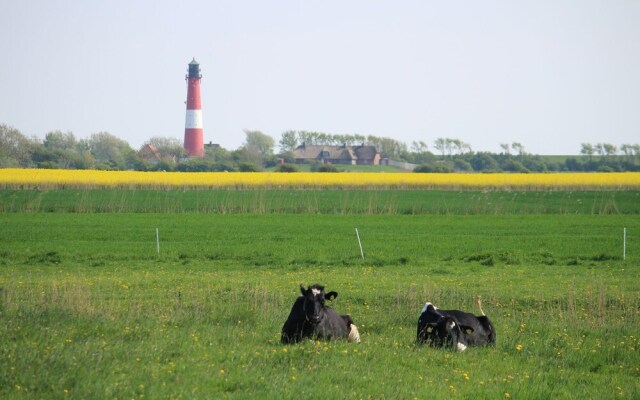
[193, 132]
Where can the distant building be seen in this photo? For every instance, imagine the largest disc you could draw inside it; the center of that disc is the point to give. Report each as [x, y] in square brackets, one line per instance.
[349, 155]
[149, 153]
[211, 145]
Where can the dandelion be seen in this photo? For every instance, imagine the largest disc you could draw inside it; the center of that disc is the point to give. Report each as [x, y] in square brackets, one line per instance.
[507, 395]
[519, 347]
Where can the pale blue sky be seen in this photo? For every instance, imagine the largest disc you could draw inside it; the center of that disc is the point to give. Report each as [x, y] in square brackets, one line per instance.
[548, 74]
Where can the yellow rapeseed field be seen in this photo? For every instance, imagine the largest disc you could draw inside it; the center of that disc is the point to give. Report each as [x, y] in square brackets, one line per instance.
[89, 179]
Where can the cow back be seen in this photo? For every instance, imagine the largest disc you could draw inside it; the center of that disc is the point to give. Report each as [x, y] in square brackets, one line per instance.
[473, 330]
[333, 325]
[483, 331]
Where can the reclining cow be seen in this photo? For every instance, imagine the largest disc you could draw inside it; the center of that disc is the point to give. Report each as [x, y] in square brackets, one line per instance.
[311, 319]
[454, 329]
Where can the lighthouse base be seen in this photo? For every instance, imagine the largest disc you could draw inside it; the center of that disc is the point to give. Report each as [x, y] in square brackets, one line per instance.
[194, 142]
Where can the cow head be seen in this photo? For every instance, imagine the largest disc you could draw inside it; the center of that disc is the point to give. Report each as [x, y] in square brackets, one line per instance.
[314, 298]
[446, 332]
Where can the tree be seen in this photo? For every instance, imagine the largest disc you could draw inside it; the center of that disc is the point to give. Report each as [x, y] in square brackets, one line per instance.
[361, 139]
[169, 147]
[609, 149]
[220, 158]
[419, 147]
[462, 165]
[572, 164]
[346, 140]
[308, 138]
[257, 147]
[109, 151]
[636, 150]
[536, 164]
[600, 149]
[466, 148]
[484, 162]
[587, 149]
[15, 148]
[519, 148]
[62, 150]
[286, 168]
[388, 148]
[258, 141]
[505, 148]
[440, 145]
[247, 167]
[449, 144]
[58, 140]
[512, 165]
[88, 160]
[461, 147]
[288, 141]
[437, 167]
[324, 139]
[165, 164]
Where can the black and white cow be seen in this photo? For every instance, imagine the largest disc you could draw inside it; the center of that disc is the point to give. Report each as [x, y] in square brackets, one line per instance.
[454, 329]
[311, 319]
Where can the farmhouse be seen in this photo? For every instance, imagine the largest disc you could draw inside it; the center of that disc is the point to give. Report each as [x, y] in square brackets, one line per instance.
[148, 152]
[353, 155]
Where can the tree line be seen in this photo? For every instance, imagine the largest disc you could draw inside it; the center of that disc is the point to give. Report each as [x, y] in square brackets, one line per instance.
[105, 151]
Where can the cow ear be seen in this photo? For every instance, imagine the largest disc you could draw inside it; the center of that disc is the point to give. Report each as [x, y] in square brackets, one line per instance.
[302, 289]
[331, 295]
[467, 329]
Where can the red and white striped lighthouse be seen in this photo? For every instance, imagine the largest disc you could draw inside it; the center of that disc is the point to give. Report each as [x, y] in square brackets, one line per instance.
[193, 132]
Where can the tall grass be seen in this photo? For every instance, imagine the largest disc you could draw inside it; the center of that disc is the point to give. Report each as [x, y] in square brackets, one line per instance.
[330, 201]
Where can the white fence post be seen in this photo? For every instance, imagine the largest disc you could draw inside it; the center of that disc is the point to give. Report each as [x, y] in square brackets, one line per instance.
[624, 244]
[360, 244]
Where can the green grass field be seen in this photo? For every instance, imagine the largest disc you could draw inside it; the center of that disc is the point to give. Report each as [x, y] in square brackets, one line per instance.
[90, 309]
